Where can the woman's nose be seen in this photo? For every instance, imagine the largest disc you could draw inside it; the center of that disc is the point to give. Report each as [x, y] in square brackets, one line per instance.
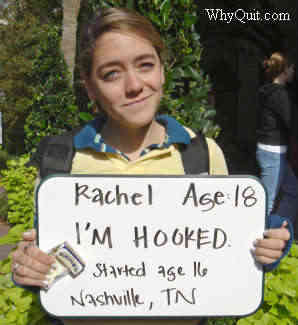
[133, 84]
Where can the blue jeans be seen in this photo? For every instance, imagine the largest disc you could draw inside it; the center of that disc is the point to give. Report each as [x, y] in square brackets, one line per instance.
[276, 174]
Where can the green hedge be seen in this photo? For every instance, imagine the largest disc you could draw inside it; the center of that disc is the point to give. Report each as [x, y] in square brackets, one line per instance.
[33, 76]
[18, 306]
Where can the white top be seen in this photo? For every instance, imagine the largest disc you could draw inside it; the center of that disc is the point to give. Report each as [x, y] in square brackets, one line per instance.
[272, 148]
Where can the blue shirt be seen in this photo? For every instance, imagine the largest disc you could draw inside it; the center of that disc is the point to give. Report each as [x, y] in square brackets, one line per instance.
[90, 136]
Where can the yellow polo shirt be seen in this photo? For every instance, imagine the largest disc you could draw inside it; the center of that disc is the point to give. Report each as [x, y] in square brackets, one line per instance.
[165, 161]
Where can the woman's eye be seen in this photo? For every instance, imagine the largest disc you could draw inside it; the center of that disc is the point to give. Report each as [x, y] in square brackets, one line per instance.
[147, 65]
[111, 75]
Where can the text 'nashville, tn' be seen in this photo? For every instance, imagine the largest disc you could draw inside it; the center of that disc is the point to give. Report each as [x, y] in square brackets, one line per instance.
[129, 298]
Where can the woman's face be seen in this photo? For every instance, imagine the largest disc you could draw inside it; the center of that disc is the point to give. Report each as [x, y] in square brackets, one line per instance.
[126, 79]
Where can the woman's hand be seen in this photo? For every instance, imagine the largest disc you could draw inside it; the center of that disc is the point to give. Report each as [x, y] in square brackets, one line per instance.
[270, 248]
[30, 265]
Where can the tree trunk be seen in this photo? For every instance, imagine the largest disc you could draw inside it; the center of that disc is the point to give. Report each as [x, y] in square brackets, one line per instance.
[71, 10]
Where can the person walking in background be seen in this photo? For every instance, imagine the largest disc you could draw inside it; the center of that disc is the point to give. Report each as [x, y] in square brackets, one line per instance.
[273, 135]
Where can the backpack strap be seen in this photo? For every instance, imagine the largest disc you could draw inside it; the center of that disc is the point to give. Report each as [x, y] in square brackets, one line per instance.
[54, 154]
[195, 156]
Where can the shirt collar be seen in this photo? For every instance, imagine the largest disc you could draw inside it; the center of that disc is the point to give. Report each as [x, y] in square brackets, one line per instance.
[89, 136]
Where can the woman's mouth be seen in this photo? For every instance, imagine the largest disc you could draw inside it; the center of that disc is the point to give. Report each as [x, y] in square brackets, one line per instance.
[137, 101]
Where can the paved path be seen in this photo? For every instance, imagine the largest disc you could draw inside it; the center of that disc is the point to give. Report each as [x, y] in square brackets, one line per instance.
[5, 249]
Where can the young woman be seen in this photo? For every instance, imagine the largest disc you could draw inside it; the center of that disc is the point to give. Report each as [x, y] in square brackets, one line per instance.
[273, 136]
[122, 66]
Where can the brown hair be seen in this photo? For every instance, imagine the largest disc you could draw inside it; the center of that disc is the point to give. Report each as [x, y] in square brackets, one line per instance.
[116, 19]
[275, 65]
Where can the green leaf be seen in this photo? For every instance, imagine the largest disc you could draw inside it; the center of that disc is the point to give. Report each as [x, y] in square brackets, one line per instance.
[243, 321]
[24, 304]
[130, 4]
[165, 9]
[189, 20]
[11, 316]
[14, 235]
[84, 116]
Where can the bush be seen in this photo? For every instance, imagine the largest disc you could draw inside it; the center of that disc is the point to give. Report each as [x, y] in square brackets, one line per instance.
[3, 206]
[33, 75]
[18, 181]
[18, 306]
[4, 157]
[53, 108]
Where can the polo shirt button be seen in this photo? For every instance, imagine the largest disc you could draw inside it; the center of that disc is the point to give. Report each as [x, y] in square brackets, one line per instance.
[97, 138]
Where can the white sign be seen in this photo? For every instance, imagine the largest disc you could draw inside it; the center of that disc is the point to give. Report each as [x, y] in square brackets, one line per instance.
[159, 246]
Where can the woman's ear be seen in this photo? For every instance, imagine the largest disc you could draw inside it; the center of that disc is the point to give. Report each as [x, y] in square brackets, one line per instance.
[90, 89]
